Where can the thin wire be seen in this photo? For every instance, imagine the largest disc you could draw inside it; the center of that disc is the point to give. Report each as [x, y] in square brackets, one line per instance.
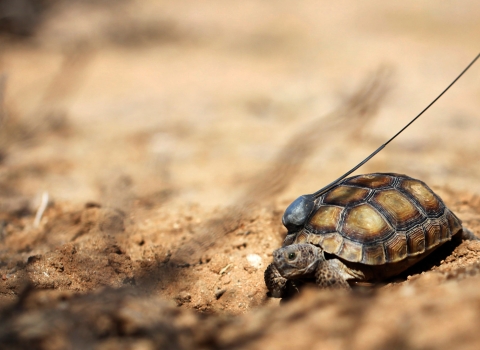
[334, 183]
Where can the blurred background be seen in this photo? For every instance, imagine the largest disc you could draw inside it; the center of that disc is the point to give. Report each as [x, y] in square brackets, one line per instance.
[191, 101]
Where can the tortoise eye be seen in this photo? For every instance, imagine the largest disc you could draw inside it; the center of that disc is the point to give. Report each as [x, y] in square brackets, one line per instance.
[291, 256]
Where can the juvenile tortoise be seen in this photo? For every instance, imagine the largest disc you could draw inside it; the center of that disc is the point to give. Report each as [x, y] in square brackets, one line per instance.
[366, 228]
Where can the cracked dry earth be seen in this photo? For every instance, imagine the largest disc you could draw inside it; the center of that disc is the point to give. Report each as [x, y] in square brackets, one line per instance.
[170, 139]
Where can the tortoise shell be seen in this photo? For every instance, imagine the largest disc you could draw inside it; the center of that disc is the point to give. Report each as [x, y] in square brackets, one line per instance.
[378, 218]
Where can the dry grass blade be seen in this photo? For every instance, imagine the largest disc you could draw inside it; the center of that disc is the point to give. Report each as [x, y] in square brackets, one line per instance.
[348, 119]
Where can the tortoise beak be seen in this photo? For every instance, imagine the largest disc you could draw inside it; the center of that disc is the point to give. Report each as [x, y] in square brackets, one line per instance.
[277, 256]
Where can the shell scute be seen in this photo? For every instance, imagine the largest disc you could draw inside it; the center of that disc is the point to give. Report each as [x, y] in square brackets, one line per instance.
[364, 224]
[428, 201]
[325, 219]
[374, 255]
[416, 241]
[398, 209]
[332, 242]
[346, 195]
[454, 223]
[396, 247]
[351, 251]
[302, 237]
[432, 233]
[372, 181]
[444, 229]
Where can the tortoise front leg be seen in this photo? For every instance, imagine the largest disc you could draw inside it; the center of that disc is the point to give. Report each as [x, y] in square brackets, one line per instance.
[280, 287]
[276, 284]
[333, 274]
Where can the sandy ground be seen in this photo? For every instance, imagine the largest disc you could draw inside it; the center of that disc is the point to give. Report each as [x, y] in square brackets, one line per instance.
[166, 139]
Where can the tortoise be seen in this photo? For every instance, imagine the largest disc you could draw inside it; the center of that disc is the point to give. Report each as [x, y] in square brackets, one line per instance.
[364, 228]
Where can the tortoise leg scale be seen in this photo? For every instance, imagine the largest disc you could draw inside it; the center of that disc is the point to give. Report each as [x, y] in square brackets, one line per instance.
[276, 284]
[332, 274]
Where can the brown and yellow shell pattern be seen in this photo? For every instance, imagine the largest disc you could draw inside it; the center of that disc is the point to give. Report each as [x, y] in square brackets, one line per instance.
[379, 218]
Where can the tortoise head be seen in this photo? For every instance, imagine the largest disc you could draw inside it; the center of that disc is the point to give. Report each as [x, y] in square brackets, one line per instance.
[297, 213]
[297, 260]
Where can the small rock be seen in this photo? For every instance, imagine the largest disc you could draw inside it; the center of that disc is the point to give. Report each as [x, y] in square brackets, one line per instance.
[219, 293]
[182, 298]
[254, 260]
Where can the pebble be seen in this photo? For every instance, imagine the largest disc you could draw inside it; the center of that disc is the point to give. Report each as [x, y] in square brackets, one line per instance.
[254, 260]
[219, 293]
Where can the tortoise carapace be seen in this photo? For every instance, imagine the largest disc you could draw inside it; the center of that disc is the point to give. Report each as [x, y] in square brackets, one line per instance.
[371, 226]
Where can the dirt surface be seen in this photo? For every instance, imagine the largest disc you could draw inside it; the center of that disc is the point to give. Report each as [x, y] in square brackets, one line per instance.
[148, 150]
